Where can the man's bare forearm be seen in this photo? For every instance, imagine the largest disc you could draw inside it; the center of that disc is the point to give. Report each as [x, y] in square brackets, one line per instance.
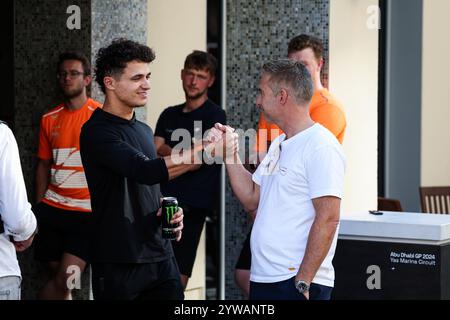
[189, 161]
[320, 237]
[243, 186]
[164, 150]
[42, 178]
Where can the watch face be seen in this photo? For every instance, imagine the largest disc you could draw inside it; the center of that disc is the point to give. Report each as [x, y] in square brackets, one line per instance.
[302, 286]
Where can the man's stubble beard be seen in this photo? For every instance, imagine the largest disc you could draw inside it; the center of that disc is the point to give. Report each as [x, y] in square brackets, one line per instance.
[196, 96]
[76, 93]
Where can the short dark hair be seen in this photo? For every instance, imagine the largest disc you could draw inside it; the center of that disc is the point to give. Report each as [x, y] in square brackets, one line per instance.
[305, 41]
[201, 60]
[292, 74]
[111, 60]
[75, 55]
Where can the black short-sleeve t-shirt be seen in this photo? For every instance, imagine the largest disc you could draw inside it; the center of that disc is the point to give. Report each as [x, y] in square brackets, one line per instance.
[198, 188]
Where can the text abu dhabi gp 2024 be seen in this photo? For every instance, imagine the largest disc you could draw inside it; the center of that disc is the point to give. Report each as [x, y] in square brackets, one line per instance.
[225, 310]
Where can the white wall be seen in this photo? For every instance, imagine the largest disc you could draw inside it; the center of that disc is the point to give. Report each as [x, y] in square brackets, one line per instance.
[175, 29]
[435, 153]
[354, 81]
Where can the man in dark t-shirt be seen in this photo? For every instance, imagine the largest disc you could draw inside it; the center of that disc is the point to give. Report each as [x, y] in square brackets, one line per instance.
[130, 259]
[197, 190]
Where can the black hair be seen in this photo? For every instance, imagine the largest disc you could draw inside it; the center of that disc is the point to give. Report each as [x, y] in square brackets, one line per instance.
[111, 60]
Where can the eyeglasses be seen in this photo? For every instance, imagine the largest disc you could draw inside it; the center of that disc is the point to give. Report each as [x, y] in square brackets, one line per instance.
[71, 74]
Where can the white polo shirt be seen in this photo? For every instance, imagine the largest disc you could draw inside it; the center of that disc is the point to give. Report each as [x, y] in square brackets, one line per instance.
[307, 166]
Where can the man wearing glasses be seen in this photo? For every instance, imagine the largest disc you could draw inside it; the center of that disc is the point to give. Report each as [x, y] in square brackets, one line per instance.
[63, 202]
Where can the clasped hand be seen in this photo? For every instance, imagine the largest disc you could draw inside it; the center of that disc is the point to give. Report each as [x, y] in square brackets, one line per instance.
[222, 141]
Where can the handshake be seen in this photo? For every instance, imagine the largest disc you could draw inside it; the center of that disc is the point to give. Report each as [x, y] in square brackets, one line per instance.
[221, 143]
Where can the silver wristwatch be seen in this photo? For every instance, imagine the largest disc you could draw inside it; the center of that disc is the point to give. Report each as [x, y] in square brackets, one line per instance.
[302, 286]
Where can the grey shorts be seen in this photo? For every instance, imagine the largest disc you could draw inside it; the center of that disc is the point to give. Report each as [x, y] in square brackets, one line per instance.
[10, 288]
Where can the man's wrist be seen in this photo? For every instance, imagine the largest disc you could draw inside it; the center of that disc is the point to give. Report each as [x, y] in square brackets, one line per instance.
[302, 286]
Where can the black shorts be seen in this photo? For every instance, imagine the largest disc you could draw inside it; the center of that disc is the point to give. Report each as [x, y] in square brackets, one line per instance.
[145, 281]
[245, 258]
[61, 231]
[186, 249]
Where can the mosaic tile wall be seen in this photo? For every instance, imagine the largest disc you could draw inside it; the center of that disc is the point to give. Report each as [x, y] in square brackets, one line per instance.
[115, 19]
[256, 32]
[40, 35]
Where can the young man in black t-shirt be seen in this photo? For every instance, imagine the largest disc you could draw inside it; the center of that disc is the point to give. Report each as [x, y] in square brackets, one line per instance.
[197, 190]
[129, 258]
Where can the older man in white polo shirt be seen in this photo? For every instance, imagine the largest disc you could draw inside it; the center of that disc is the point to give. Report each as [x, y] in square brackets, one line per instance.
[296, 190]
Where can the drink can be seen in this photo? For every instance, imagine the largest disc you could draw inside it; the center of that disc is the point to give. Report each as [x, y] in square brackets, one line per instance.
[169, 208]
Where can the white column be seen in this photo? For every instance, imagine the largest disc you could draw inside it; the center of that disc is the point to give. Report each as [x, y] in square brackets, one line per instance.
[353, 73]
[175, 29]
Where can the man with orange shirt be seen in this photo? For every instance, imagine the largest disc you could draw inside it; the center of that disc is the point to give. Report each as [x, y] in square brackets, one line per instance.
[63, 205]
[324, 109]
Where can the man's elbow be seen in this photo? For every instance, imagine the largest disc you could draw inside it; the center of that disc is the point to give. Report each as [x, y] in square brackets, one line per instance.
[43, 167]
[328, 220]
[250, 205]
[334, 223]
[250, 208]
[331, 222]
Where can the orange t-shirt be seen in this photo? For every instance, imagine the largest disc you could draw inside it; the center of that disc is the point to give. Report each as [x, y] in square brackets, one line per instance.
[59, 141]
[323, 109]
